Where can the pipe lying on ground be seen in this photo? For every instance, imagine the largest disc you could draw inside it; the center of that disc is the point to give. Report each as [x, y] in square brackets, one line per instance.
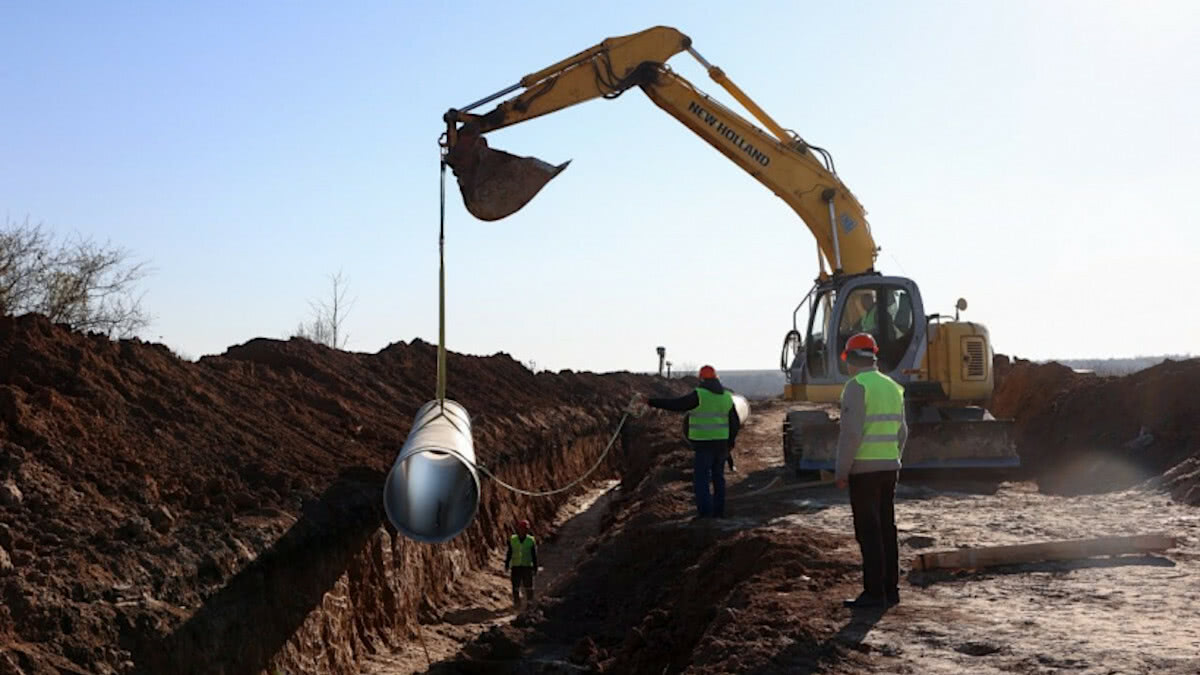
[1070, 549]
[432, 491]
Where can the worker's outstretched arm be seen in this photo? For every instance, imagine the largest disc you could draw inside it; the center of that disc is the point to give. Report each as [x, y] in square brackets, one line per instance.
[679, 404]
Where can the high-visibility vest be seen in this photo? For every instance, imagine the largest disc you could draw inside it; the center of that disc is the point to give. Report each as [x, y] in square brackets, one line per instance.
[522, 551]
[885, 411]
[709, 421]
[868, 321]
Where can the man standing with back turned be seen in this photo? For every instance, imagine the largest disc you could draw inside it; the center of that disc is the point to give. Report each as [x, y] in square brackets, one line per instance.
[871, 440]
[712, 428]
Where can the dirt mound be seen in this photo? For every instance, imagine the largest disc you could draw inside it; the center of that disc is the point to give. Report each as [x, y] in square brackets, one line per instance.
[1078, 432]
[1182, 481]
[166, 516]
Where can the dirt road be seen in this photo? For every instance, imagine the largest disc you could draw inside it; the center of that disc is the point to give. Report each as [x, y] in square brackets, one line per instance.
[776, 609]
[1133, 614]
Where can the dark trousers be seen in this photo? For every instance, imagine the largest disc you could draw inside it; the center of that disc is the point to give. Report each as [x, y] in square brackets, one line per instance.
[710, 468]
[872, 499]
[522, 576]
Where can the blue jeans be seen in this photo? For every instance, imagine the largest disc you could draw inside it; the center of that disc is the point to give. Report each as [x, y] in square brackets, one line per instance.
[710, 468]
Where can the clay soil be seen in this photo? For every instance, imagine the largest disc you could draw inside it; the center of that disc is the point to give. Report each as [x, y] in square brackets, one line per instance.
[224, 516]
[163, 516]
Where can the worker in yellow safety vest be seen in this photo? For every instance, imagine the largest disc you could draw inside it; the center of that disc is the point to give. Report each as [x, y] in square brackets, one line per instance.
[870, 442]
[712, 429]
[522, 559]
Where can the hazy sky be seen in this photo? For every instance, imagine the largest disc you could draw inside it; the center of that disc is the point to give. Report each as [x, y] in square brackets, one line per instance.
[1040, 159]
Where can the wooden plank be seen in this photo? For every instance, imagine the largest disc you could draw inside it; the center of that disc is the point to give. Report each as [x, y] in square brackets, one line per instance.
[1071, 549]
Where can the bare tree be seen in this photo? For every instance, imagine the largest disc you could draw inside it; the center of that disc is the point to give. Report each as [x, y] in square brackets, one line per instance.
[325, 326]
[76, 281]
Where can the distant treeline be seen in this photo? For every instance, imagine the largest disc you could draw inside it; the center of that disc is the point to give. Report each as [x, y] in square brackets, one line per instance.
[1119, 366]
[761, 384]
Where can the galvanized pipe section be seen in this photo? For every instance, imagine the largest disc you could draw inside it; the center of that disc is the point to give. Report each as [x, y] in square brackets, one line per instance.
[432, 492]
[743, 408]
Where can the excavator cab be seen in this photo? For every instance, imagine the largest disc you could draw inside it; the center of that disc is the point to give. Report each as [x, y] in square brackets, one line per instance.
[944, 366]
[885, 307]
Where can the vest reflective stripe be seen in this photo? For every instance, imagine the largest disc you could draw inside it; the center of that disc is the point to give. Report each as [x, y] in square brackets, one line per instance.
[522, 551]
[885, 410]
[709, 421]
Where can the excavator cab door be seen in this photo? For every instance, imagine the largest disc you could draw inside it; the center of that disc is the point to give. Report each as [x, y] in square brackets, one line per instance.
[889, 308]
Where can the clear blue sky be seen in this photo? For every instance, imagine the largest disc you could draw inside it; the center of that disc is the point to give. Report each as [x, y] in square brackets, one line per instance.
[1038, 158]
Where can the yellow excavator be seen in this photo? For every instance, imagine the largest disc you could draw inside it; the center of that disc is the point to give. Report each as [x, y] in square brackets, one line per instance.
[945, 364]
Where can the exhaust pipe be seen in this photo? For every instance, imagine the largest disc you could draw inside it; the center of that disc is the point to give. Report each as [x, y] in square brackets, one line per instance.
[432, 492]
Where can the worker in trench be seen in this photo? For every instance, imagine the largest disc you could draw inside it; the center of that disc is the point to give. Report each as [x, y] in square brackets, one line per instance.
[712, 426]
[870, 442]
[521, 558]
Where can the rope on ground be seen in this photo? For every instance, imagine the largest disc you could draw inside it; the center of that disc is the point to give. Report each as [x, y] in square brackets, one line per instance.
[763, 491]
[568, 486]
[421, 635]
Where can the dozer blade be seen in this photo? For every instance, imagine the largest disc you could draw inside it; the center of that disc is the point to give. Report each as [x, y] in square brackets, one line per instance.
[494, 183]
[972, 444]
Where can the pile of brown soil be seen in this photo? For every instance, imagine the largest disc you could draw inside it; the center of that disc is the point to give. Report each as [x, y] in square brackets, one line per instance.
[158, 515]
[1079, 432]
[1182, 481]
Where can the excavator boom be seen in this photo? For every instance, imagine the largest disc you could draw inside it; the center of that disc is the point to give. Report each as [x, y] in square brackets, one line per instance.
[495, 184]
[946, 379]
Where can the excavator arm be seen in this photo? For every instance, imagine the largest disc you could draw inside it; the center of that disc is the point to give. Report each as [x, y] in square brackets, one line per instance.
[495, 184]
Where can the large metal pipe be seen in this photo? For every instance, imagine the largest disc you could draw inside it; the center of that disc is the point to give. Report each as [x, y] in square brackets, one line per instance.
[432, 491]
[743, 408]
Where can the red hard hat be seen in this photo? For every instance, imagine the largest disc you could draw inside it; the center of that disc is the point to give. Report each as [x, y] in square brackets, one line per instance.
[860, 342]
[523, 525]
[708, 373]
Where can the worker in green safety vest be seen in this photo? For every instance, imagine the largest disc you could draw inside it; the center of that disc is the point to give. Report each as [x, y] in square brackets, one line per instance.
[867, 322]
[712, 429]
[522, 559]
[870, 442]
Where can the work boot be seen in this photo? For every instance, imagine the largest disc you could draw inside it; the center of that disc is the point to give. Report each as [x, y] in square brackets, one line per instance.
[866, 601]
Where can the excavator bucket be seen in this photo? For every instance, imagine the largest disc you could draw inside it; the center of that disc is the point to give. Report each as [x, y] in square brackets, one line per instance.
[494, 183]
[811, 443]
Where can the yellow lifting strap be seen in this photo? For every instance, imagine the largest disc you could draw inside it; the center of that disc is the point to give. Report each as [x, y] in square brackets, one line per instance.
[441, 354]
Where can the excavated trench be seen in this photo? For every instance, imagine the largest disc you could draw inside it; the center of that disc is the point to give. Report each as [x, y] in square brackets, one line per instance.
[225, 516]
